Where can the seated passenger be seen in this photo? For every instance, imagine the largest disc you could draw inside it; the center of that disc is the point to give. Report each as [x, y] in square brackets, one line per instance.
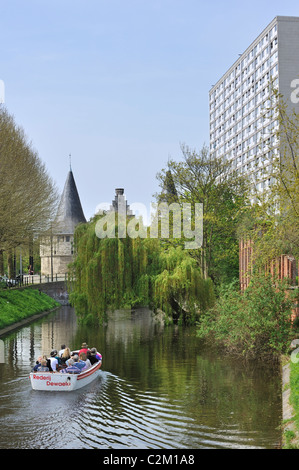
[53, 360]
[57, 356]
[83, 358]
[43, 366]
[92, 358]
[37, 364]
[65, 355]
[84, 348]
[48, 362]
[96, 354]
[72, 357]
[79, 363]
[71, 369]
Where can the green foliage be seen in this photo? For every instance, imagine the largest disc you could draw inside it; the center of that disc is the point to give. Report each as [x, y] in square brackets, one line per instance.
[180, 285]
[16, 305]
[112, 273]
[256, 323]
[223, 192]
[27, 194]
[272, 223]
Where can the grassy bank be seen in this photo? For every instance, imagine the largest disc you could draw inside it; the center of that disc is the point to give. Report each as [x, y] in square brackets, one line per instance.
[290, 425]
[294, 382]
[19, 304]
[294, 400]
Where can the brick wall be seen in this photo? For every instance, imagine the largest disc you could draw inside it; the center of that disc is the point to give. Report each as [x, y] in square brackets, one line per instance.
[282, 267]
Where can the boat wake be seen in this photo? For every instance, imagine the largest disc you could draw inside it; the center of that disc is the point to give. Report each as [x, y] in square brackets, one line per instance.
[121, 417]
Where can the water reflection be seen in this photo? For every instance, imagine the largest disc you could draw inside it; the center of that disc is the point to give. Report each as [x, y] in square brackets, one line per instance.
[158, 388]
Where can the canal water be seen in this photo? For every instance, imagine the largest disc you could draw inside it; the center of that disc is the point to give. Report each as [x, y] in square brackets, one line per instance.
[158, 388]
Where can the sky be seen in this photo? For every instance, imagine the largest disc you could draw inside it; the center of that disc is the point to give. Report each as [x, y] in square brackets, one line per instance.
[120, 84]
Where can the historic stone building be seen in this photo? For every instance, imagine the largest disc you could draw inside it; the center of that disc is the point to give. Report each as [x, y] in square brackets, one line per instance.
[119, 203]
[56, 250]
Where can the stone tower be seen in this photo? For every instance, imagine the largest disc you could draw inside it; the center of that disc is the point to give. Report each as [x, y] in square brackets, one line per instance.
[119, 203]
[56, 250]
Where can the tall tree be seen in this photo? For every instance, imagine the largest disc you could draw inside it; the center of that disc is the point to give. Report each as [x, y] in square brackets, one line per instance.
[223, 192]
[27, 194]
[110, 273]
[273, 222]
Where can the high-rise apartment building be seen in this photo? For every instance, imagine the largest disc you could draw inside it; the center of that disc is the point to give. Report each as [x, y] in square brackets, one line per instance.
[240, 131]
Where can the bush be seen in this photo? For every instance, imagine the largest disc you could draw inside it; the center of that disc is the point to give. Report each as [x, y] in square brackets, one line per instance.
[255, 323]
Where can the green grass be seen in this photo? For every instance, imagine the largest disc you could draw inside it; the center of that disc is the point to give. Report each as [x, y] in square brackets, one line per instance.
[16, 305]
[294, 384]
[291, 435]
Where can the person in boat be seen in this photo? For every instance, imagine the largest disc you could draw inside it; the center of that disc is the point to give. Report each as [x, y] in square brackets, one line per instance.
[73, 354]
[84, 349]
[79, 363]
[96, 354]
[71, 368]
[58, 357]
[43, 366]
[61, 350]
[37, 364]
[92, 358]
[48, 362]
[53, 360]
[66, 355]
[83, 357]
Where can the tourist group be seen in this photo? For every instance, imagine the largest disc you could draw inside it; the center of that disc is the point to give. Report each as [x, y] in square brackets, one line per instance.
[67, 361]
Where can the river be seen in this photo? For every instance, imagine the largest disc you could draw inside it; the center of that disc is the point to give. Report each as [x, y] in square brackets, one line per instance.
[158, 388]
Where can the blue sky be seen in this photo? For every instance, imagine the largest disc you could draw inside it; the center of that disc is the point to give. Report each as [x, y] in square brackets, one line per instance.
[120, 84]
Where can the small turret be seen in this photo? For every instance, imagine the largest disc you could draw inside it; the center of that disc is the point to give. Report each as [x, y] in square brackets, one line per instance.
[69, 213]
[56, 250]
[119, 204]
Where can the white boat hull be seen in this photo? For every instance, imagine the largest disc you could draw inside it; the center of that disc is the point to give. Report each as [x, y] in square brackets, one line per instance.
[53, 382]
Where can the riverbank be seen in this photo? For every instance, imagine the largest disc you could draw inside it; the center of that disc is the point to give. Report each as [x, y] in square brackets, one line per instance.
[18, 306]
[290, 405]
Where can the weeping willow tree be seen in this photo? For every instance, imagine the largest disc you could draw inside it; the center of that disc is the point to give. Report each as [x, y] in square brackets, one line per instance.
[179, 289]
[111, 273]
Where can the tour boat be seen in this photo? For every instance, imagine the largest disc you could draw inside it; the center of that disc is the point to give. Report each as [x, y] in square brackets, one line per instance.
[62, 382]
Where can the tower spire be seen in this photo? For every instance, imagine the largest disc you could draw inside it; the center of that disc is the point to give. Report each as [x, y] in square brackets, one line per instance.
[69, 212]
[70, 157]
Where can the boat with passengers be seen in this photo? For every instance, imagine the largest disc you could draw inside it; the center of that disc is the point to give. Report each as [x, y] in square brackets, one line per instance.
[65, 379]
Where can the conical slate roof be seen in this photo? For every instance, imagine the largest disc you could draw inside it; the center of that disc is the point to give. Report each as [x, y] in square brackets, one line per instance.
[69, 213]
